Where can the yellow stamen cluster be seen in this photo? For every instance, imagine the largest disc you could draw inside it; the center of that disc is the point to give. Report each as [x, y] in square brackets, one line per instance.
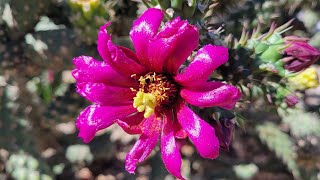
[145, 102]
[305, 80]
[155, 91]
[155, 85]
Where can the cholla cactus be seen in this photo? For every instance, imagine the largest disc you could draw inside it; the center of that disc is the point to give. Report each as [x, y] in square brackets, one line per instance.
[267, 48]
[88, 15]
[277, 54]
[305, 80]
[186, 9]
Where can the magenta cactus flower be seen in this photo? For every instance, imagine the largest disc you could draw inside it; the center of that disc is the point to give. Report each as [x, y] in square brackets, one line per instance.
[144, 93]
[300, 54]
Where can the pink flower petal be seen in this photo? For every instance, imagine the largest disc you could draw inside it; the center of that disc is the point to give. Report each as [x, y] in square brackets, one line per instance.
[212, 94]
[171, 47]
[120, 58]
[90, 70]
[205, 62]
[105, 95]
[96, 117]
[200, 133]
[132, 124]
[130, 129]
[143, 29]
[169, 150]
[179, 132]
[167, 49]
[149, 127]
[146, 143]
[174, 44]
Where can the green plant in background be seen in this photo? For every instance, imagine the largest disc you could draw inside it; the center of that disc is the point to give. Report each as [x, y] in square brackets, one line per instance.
[79, 153]
[15, 136]
[281, 144]
[23, 166]
[245, 171]
[301, 123]
[88, 15]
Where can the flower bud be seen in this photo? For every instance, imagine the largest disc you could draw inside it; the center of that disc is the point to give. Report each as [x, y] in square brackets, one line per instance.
[50, 76]
[302, 54]
[291, 100]
[224, 130]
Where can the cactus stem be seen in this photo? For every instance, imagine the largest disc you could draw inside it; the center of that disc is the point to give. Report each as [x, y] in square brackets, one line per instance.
[190, 8]
[146, 3]
[164, 4]
[177, 4]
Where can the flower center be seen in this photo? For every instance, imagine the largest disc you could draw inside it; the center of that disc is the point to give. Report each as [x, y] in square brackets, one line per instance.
[156, 93]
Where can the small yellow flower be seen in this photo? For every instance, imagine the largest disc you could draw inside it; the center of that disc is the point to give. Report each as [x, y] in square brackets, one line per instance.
[305, 80]
[85, 5]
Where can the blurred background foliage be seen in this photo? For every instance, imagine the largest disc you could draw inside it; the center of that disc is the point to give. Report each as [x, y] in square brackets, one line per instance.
[38, 103]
